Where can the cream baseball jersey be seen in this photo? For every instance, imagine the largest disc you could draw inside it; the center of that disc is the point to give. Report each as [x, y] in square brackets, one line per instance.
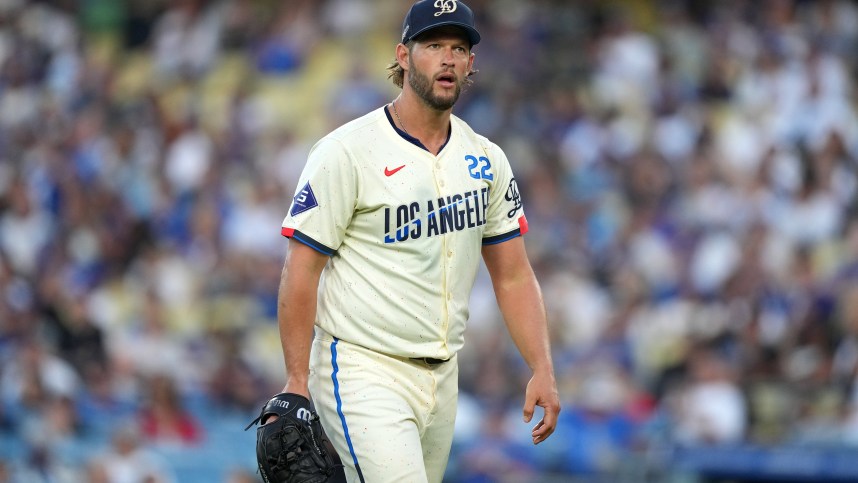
[404, 229]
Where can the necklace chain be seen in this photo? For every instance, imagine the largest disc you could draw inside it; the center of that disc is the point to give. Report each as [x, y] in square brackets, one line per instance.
[396, 113]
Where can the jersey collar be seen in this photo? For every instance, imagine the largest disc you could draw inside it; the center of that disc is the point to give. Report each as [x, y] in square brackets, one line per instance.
[411, 139]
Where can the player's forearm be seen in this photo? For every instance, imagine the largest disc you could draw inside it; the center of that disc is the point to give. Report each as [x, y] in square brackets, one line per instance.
[520, 302]
[296, 313]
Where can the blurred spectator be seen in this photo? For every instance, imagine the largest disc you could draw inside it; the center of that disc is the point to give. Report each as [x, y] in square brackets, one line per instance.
[128, 461]
[189, 157]
[625, 74]
[186, 38]
[711, 408]
[105, 401]
[164, 421]
[289, 35]
[598, 425]
[42, 466]
[246, 227]
[356, 94]
[79, 341]
[33, 378]
[813, 214]
[235, 383]
[25, 230]
[150, 335]
[495, 456]
[51, 438]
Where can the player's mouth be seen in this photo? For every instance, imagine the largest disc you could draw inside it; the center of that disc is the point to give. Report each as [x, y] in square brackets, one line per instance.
[446, 80]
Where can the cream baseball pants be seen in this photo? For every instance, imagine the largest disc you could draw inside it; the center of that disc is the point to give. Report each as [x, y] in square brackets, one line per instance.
[390, 418]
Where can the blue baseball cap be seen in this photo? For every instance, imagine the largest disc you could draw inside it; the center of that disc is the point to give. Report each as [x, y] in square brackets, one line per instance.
[429, 14]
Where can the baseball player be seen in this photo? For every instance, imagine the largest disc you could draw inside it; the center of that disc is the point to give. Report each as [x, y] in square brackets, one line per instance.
[387, 226]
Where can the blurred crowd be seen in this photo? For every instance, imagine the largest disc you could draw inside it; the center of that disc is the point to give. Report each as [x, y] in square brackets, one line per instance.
[688, 169]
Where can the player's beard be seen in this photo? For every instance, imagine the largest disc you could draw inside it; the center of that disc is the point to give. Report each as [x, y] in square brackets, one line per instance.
[422, 86]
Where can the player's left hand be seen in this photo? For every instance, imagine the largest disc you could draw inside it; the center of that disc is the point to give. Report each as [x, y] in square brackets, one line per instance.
[542, 391]
[291, 448]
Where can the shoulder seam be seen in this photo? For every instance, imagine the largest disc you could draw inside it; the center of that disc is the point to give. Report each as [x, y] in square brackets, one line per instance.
[349, 128]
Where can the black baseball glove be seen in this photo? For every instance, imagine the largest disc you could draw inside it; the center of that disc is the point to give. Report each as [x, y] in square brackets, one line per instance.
[293, 448]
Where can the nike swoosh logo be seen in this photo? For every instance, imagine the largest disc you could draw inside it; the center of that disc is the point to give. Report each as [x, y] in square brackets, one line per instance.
[391, 172]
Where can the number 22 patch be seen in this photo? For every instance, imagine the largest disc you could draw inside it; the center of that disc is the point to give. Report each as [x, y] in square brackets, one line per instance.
[479, 168]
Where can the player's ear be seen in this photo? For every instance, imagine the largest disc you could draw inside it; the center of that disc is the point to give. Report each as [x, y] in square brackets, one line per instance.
[402, 53]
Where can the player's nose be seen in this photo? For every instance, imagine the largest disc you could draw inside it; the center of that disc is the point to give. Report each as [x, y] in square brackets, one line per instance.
[448, 57]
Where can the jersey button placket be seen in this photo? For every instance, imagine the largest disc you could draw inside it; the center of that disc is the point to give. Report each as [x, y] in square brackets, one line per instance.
[438, 174]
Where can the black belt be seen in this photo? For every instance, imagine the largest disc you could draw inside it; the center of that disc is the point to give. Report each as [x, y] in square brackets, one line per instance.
[429, 361]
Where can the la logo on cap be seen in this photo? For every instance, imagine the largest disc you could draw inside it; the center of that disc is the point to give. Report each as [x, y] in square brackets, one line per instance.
[446, 6]
[425, 15]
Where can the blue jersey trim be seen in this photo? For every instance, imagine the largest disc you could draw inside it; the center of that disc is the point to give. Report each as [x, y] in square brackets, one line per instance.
[340, 406]
[494, 240]
[306, 240]
[411, 139]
